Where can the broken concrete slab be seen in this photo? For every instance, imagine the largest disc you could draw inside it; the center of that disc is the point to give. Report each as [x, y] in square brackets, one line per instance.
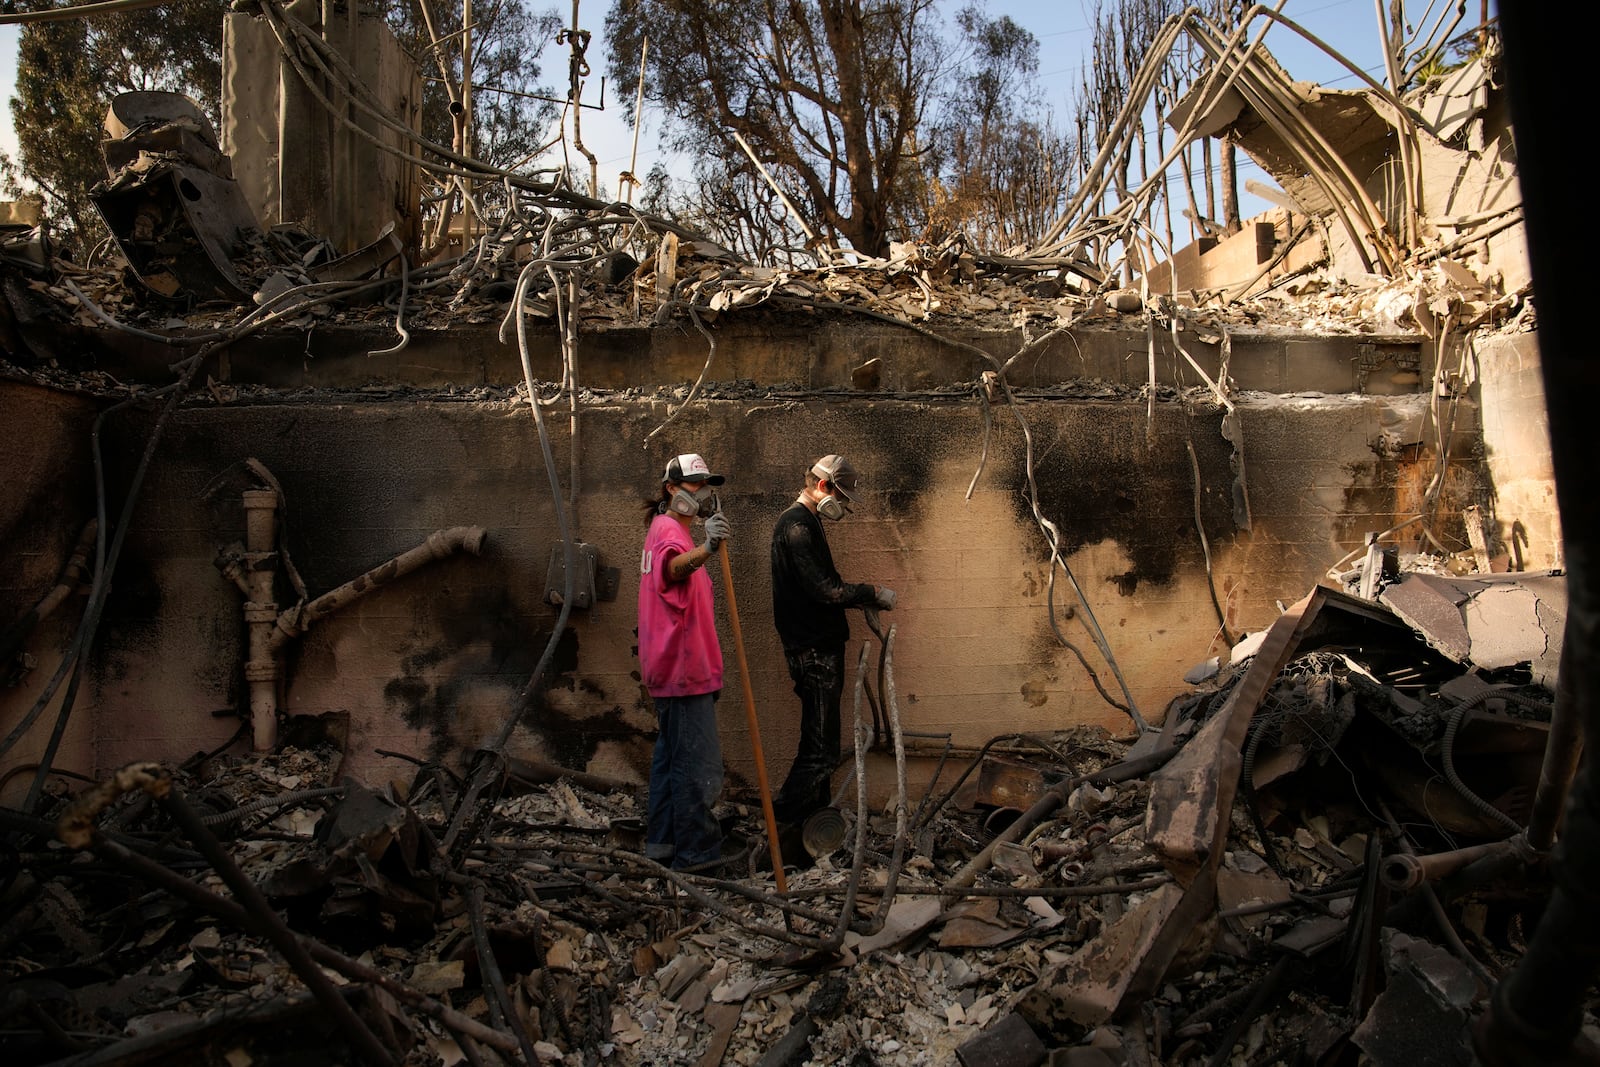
[1431, 605]
[1491, 622]
[1421, 1016]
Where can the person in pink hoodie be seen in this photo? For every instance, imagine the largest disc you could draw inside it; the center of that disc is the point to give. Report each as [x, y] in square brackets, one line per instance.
[680, 664]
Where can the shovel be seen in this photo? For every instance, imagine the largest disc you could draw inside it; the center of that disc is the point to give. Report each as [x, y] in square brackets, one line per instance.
[755, 726]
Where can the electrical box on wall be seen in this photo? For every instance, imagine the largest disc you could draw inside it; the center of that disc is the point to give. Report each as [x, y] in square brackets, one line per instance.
[590, 581]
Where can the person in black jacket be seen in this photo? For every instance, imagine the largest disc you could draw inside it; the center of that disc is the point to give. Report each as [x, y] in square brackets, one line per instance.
[808, 604]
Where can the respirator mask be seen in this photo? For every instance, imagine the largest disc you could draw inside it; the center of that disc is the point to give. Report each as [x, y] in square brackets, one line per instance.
[832, 507]
[840, 477]
[702, 501]
[694, 494]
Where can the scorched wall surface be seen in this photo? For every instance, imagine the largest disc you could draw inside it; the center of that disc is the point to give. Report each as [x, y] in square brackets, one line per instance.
[430, 664]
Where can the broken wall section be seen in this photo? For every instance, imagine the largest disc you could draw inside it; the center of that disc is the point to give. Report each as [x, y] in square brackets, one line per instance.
[1441, 175]
[298, 164]
[1524, 521]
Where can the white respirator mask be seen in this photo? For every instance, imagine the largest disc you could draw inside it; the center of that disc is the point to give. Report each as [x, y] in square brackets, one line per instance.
[832, 507]
[840, 477]
[701, 501]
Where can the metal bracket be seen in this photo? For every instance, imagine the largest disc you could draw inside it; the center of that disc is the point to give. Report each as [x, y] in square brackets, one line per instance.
[585, 558]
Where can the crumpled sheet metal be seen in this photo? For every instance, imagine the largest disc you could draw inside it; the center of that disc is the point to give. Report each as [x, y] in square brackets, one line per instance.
[1190, 796]
[179, 226]
[170, 200]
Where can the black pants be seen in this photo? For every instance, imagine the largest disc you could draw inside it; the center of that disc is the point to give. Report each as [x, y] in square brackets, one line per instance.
[818, 675]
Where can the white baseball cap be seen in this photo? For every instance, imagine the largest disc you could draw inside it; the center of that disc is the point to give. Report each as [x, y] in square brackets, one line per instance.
[690, 467]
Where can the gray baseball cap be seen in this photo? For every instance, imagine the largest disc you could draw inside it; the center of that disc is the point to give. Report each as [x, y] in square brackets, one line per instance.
[837, 472]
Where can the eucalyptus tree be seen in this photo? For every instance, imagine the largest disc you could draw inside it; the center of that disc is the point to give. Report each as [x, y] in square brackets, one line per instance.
[821, 97]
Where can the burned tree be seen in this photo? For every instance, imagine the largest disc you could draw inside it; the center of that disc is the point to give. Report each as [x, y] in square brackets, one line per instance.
[993, 163]
[826, 94]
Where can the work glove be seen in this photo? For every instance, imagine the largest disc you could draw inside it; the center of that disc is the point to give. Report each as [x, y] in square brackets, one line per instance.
[884, 598]
[717, 531]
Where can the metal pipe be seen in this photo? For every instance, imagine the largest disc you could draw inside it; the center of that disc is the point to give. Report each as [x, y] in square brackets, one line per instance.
[1048, 852]
[638, 114]
[1052, 799]
[1447, 929]
[1408, 871]
[261, 668]
[441, 544]
[270, 631]
[999, 820]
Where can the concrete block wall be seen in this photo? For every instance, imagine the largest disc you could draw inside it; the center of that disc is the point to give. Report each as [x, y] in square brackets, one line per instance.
[795, 353]
[1240, 260]
[431, 664]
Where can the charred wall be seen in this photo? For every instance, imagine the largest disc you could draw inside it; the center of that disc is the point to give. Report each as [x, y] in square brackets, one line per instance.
[430, 664]
[44, 439]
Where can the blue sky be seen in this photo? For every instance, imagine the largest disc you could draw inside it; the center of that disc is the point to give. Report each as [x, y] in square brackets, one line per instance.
[1061, 27]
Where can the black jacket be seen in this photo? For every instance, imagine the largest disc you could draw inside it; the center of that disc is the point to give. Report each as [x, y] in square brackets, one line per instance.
[808, 596]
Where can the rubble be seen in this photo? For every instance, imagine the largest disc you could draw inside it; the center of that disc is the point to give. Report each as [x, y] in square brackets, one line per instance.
[1093, 931]
[1333, 845]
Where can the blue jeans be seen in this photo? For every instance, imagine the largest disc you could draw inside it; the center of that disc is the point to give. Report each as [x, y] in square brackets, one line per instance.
[685, 779]
[818, 675]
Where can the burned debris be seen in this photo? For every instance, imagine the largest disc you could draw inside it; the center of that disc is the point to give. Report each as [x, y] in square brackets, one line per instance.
[1328, 842]
[1069, 898]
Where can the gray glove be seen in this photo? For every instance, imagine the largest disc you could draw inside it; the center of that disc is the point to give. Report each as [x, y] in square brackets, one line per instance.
[884, 598]
[717, 530]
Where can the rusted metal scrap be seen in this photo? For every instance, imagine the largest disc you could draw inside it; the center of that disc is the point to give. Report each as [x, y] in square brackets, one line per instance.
[171, 202]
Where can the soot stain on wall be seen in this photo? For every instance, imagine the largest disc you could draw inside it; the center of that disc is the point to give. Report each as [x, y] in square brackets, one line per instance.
[133, 597]
[489, 624]
[895, 453]
[1098, 481]
[221, 670]
[573, 740]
